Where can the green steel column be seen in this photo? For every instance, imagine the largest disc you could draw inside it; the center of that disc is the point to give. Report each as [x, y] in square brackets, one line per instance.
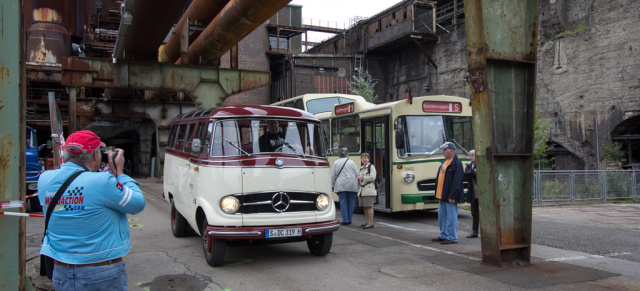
[501, 47]
[12, 143]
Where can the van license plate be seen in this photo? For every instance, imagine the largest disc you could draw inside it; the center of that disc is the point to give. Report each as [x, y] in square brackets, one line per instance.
[283, 232]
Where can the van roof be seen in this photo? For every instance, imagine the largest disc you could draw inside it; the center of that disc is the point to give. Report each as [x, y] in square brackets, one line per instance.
[236, 111]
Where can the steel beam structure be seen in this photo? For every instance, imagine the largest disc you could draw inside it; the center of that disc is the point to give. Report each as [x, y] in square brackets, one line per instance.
[502, 47]
[12, 143]
[207, 86]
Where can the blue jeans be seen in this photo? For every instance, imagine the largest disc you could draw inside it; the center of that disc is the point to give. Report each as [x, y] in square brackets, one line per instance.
[448, 220]
[347, 205]
[109, 277]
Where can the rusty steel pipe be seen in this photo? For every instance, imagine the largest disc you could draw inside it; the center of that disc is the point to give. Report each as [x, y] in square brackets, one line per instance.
[232, 24]
[202, 11]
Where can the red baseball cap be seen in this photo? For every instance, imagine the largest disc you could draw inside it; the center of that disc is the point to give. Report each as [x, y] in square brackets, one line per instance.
[84, 140]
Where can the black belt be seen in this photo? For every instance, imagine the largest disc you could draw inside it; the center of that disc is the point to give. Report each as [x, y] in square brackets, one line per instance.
[109, 262]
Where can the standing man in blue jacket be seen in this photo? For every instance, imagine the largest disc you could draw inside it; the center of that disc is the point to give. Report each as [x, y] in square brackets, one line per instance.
[450, 192]
[88, 232]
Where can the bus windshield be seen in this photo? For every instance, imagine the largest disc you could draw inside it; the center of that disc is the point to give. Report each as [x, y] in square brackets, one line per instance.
[258, 136]
[424, 134]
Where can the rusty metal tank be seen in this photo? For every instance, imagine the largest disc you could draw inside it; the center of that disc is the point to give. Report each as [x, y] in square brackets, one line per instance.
[48, 40]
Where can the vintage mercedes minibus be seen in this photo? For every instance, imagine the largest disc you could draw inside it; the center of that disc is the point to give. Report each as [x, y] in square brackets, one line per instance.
[239, 175]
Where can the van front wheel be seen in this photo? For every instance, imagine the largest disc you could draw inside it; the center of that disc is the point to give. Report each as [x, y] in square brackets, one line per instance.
[214, 249]
[320, 245]
[179, 224]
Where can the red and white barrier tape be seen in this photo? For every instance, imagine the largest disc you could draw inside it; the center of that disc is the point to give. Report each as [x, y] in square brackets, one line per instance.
[12, 204]
[20, 214]
[29, 196]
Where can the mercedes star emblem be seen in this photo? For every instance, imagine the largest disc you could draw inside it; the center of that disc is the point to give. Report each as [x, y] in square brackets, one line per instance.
[280, 201]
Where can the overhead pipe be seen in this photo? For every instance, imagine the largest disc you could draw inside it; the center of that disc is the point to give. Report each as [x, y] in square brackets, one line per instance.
[202, 11]
[236, 20]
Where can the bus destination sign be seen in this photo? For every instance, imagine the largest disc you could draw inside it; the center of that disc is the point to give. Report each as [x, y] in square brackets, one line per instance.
[345, 108]
[434, 106]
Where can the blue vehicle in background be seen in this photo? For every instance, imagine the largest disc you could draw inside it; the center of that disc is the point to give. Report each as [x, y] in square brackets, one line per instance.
[33, 169]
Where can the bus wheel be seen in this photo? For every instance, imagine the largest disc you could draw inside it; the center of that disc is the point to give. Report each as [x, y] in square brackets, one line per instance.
[179, 225]
[214, 249]
[320, 245]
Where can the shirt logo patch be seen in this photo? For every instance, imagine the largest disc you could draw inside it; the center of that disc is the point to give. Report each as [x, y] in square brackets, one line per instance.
[119, 186]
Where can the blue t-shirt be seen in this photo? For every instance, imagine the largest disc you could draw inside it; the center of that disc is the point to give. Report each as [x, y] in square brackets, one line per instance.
[89, 223]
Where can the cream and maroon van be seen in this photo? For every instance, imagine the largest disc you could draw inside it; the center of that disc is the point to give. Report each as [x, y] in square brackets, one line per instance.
[231, 185]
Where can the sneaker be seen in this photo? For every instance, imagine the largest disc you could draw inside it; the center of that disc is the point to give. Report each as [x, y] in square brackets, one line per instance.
[438, 239]
[448, 242]
[367, 226]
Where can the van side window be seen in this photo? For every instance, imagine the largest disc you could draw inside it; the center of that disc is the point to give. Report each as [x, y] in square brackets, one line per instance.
[206, 140]
[225, 139]
[198, 135]
[189, 138]
[181, 132]
[172, 136]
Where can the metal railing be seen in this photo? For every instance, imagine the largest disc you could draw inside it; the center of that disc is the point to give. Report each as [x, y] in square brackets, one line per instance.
[554, 187]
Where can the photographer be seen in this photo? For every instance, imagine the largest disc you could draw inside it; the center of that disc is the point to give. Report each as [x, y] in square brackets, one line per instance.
[88, 233]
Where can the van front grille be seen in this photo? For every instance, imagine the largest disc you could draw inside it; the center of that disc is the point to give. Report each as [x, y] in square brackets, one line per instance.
[277, 202]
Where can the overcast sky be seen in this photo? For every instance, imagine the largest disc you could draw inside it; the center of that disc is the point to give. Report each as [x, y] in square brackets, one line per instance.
[337, 13]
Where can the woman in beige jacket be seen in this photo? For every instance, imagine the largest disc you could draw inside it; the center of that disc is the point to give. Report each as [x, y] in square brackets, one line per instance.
[367, 190]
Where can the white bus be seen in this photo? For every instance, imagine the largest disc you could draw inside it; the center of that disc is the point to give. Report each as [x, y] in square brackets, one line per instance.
[318, 103]
[249, 174]
[398, 136]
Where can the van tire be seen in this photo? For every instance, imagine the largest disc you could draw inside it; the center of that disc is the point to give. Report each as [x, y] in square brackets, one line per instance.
[34, 204]
[320, 245]
[179, 225]
[215, 255]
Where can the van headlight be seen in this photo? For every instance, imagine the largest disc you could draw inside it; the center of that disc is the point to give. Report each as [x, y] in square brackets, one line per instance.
[229, 204]
[409, 177]
[32, 186]
[322, 202]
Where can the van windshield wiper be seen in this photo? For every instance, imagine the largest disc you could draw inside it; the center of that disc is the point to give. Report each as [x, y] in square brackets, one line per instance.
[290, 146]
[235, 146]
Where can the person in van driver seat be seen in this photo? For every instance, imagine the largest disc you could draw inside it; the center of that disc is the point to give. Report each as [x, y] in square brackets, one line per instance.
[272, 139]
[88, 232]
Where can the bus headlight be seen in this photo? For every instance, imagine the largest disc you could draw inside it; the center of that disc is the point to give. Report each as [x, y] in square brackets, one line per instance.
[409, 177]
[229, 204]
[322, 202]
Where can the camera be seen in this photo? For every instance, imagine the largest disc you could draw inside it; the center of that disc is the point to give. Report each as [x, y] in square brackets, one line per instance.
[105, 155]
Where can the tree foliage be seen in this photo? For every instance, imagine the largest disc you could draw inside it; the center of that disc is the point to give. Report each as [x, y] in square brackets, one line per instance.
[612, 153]
[364, 85]
[540, 138]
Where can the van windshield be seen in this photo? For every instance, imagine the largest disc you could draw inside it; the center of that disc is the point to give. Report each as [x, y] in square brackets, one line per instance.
[259, 136]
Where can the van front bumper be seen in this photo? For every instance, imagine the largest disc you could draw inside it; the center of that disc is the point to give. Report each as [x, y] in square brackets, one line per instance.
[258, 232]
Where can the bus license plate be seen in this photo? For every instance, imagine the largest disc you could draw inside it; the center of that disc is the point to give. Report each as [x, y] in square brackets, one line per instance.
[283, 232]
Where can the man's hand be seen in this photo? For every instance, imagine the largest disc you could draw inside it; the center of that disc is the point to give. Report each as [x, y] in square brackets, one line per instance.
[118, 168]
[452, 201]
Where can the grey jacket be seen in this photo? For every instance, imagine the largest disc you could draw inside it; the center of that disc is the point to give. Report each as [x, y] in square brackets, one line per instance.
[348, 179]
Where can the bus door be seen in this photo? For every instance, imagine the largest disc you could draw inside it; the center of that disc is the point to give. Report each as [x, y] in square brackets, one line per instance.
[376, 143]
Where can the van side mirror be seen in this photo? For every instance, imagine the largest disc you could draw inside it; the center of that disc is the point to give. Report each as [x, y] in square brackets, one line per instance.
[196, 145]
[400, 137]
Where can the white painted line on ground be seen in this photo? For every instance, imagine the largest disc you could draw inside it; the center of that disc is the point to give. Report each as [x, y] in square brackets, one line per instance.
[413, 244]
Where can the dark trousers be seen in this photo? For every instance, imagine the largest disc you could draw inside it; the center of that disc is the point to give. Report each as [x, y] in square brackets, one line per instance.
[475, 214]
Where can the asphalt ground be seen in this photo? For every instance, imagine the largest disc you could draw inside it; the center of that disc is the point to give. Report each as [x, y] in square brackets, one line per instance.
[561, 257]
